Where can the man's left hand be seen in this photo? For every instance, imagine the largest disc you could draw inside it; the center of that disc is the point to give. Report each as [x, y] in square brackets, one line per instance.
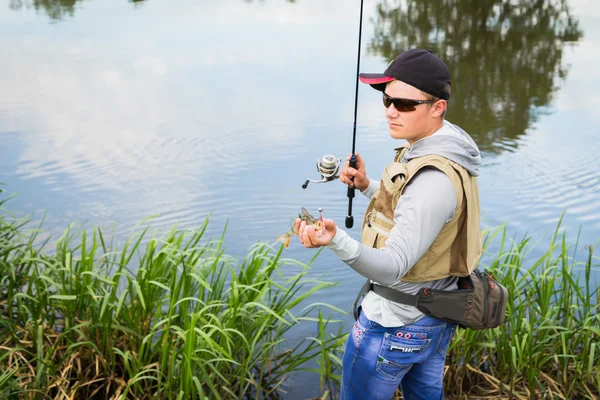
[312, 238]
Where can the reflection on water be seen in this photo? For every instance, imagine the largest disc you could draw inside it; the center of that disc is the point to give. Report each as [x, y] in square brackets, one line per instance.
[505, 57]
[56, 9]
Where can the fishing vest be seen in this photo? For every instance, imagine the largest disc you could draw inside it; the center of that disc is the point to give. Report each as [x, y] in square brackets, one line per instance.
[458, 247]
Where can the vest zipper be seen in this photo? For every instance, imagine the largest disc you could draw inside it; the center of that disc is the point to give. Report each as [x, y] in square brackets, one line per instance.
[382, 217]
[380, 231]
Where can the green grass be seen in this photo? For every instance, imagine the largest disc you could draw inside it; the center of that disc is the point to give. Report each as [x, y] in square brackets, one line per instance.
[175, 318]
[549, 346]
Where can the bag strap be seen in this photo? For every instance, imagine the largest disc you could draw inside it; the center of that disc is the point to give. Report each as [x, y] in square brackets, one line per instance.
[385, 292]
[396, 296]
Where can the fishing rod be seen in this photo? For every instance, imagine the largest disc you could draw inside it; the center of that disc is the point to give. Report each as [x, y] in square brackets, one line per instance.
[328, 166]
[352, 163]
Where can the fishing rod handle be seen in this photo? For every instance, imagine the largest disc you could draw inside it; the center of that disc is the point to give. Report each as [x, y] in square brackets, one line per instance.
[349, 217]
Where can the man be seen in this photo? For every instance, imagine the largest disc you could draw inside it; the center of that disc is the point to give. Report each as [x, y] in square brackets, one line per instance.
[421, 230]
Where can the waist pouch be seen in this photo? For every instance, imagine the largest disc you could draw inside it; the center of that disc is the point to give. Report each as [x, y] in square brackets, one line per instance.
[479, 303]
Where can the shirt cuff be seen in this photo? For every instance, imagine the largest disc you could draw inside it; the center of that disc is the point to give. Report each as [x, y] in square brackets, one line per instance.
[371, 189]
[345, 247]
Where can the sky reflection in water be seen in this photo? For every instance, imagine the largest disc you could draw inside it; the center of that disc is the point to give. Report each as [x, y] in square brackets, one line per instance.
[115, 111]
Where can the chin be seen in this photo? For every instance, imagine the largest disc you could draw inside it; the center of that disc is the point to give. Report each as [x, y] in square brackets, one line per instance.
[397, 135]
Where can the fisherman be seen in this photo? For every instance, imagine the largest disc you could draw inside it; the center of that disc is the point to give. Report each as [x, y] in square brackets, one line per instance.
[421, 230]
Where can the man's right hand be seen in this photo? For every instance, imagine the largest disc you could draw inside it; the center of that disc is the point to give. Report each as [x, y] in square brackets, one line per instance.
[356, 177]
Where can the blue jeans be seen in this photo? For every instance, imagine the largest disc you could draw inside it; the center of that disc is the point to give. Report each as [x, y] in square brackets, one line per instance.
[377, 360]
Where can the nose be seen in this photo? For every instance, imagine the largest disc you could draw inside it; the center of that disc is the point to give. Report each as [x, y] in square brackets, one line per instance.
[391, 111]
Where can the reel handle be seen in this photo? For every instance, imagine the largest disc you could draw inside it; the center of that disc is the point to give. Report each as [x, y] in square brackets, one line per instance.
[350, 194]
[305, 184]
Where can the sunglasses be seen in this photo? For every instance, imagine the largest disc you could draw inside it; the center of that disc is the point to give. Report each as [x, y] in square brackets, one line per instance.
[403, 104]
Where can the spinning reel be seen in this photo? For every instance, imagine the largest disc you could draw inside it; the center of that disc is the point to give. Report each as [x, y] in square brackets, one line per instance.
[328, 166]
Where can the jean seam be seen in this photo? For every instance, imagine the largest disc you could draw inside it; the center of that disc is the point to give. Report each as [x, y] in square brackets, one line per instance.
[418, 328]
[388, 376]
[437, 349]
[365, 331]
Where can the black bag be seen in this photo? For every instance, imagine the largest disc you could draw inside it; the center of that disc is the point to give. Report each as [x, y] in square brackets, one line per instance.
[479, 303]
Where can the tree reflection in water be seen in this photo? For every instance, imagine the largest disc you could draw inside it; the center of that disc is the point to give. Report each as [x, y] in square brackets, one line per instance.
[56, 9]
[505, 57]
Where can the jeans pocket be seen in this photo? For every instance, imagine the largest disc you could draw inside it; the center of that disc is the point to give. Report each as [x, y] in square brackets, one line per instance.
[358, 333]
[397, 354]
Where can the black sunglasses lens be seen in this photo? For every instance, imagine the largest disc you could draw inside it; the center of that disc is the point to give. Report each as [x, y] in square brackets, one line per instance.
[387, 102]
[399, 104]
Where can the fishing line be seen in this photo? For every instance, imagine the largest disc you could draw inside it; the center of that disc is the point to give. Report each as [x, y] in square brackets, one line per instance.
[352, 163]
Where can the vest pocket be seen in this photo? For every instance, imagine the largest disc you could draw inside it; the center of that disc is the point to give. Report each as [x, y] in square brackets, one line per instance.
[369, 236]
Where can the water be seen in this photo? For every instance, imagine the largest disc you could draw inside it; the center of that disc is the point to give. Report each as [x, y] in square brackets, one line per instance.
[113, 111]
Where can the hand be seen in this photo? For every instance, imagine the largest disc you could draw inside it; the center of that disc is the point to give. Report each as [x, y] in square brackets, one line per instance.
[359, 174]
[312, 238]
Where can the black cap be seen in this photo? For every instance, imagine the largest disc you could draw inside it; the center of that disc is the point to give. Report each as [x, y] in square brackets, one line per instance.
[417, 67]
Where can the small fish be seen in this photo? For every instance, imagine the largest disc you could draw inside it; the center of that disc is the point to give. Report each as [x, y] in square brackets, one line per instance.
[317, 223]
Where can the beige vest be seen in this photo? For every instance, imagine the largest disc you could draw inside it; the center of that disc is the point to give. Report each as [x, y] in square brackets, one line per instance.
[457, 248]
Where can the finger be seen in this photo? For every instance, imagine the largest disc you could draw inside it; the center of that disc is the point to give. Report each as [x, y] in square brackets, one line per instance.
[355, 173]
[304, 239]
[301, 229]
[352, 174]
[345, 179]
[329, 224]
[311, 236]
[314, 238]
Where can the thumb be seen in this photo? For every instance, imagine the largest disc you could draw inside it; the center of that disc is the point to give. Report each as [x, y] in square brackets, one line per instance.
[329, 224]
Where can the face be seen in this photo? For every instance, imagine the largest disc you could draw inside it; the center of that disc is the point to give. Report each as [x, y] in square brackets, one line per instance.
[417, 124]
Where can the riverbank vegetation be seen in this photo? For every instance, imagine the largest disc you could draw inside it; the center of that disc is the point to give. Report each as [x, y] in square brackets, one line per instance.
[175, 317]
[549, 347]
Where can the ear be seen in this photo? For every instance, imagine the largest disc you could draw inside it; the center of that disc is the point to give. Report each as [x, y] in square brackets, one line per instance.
[438, 108]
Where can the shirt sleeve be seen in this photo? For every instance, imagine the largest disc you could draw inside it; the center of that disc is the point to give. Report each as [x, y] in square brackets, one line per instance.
[427, 203]
[371, 189]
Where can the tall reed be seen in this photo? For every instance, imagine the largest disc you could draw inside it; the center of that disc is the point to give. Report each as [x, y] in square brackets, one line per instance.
[175, 317]
[161, 317]
[549, 347]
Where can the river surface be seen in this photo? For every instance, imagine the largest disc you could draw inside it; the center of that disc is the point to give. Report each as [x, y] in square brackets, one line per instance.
[114, 111]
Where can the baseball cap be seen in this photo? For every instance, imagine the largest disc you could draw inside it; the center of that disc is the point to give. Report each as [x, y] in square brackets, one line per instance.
[417, 67]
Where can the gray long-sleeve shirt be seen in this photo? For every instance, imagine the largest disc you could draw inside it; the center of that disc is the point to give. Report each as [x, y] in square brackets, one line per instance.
[427, 203]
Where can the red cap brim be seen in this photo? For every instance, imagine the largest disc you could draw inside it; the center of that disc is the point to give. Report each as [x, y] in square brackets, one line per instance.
[374, 79]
